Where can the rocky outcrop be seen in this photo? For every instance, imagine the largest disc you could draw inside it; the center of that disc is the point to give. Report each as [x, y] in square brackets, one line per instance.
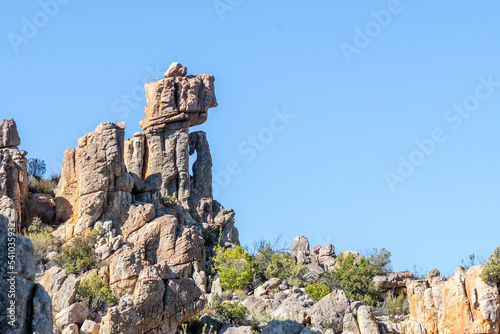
[61, 287]
[160, 301]
[178, 102]
[394, 282]
[9, 136]
[24, 305]
[329, 311]
[153, 252]
[13, 169]
[175, 70]
[463, 303]
[94, 182]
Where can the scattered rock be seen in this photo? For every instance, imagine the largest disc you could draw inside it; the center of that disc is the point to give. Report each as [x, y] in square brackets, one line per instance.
[366, 321]
[392, 281]
[74, 314]
[329, 311]
[60, 287]
[291, 308]
[279, 327]
[235, 329]
[70, 329]
[90, 327]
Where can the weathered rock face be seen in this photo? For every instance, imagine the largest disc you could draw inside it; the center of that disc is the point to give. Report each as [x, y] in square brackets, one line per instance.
[329, 311]
[13, 169]
[160, 301]
[159, 159]
[395, 282]
[175, 100]
[60, 287]
[24, 305]
[175, 70]
[94, 182]
[201, 200]
[462, 303]
[8, 134]
[167, 239]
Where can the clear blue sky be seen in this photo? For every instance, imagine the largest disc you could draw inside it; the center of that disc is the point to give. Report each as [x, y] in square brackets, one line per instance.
[359, 102]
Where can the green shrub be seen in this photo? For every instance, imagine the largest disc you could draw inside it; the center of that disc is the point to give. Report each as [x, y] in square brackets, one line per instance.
[209, 238]
[191, 325]
[317, 291]
[185, 328]
[272, 263]
[491, 272]
[258, 319]
[40, 186]
[356, 279]
[95, 292]
[42, 239]
[396, 305]
[380, 261]
[79, 255]
[234, 266]
[231, 313]
[165, 202]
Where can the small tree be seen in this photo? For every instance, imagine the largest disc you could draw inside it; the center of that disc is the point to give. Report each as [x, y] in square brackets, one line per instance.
[79, 254]
[42, 239]
[234, 266]
[36, 167]
[491, 272]
[95, 292]
[380, 261]
[356, 277]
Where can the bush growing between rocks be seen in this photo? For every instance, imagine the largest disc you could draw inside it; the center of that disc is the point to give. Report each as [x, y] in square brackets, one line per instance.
[317, 291]
[95, 292]
[272, 263]
[230, 313]
[209, 238]
[380, 261]
[396, 305]
[356, 277]
[165, 202]
[79, 255]
[257, 320]
[491, 272]
[41, 186]
[43, 240]
[234, 266]
[191, 325]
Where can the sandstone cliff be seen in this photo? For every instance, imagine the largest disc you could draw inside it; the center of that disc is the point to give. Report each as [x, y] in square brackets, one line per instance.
[463, 303]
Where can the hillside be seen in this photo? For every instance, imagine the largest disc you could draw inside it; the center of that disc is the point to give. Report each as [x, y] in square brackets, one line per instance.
[129, 239]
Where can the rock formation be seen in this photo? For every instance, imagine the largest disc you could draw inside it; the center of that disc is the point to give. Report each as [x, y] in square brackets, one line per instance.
[94, 182]
[154, 256]
[13, 169]
[8, 134]
[24, 305]
[463, 303]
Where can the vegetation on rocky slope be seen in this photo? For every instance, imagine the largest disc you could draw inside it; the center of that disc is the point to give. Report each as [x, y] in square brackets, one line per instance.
[491, 271]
